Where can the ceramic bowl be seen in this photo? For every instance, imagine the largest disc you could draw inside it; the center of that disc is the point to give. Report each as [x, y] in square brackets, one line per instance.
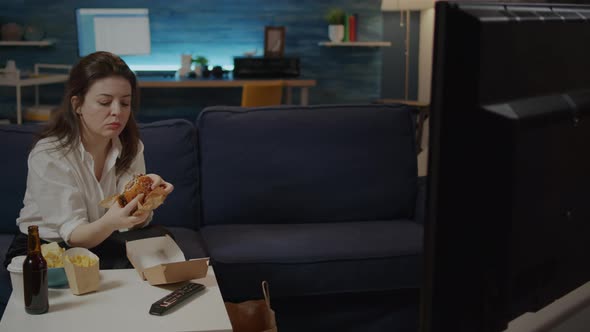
[56, 277]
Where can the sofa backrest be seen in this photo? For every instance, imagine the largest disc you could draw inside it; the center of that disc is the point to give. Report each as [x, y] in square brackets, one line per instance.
[170, 151]
[15, 145]
[295, 164]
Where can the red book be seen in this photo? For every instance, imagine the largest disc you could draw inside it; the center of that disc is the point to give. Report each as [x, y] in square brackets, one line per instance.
[352, 22]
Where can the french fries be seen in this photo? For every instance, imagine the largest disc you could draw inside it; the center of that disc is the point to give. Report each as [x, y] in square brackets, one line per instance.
[81, 260]
[53, 254]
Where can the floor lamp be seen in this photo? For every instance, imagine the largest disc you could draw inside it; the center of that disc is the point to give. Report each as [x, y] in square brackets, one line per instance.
[426, 8]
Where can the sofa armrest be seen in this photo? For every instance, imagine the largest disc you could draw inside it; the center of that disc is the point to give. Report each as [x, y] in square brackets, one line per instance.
[420, 211]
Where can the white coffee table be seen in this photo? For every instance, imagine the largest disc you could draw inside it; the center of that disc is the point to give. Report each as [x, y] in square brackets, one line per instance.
[122, 304]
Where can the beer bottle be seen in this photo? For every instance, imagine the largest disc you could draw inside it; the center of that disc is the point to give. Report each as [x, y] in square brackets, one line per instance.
[35, 275]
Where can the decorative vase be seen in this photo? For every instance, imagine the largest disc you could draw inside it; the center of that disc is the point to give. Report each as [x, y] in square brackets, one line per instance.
[12, 31]
[198, 70]
[185, 65]
[336, 32]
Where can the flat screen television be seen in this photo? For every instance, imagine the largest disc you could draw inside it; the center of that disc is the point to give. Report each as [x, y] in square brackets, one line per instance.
[508, 205]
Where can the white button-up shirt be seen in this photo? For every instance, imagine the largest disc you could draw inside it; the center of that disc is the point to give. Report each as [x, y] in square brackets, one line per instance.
[62, 190]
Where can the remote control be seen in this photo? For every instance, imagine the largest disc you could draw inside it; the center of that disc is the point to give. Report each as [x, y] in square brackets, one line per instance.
[171, 300]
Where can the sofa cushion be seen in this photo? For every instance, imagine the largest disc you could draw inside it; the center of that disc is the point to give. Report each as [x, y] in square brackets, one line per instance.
[190, 242]
[316, 258]
[170, 151]
[296, 164]
[15, 144]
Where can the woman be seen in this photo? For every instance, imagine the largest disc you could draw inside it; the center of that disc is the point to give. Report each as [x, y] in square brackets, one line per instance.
[88, 151]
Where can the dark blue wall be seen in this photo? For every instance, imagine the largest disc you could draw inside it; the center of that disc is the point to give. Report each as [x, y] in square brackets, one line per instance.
[219, 30]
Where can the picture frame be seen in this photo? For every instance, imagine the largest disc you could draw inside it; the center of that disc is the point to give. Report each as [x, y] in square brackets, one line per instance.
[274, 41]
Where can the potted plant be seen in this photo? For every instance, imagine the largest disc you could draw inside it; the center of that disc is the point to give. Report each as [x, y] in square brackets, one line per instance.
[335, 18]
[201, 65]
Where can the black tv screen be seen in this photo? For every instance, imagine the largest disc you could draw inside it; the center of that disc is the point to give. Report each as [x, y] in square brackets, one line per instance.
[508, 205]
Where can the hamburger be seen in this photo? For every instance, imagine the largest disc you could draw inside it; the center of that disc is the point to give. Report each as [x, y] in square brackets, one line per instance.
[140, 184]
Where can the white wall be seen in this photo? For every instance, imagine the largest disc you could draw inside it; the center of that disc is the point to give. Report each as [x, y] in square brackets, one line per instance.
[425, 54]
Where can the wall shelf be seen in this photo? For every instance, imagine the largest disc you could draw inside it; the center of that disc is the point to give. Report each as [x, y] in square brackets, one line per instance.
[356, 44]
[14, 79]
[40, 43]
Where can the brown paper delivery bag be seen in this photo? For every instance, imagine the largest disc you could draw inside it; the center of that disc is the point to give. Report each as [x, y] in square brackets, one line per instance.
[253, 315]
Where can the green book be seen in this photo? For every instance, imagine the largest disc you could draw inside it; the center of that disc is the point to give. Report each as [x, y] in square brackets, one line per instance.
[346, 37]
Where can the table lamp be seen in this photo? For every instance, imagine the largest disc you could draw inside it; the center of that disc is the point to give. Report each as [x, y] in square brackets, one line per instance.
[426, 8]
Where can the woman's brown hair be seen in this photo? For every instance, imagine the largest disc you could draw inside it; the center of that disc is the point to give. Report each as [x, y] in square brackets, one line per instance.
[64, 124]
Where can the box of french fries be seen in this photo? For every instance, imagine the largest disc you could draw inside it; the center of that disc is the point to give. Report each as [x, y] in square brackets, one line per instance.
[82, 270]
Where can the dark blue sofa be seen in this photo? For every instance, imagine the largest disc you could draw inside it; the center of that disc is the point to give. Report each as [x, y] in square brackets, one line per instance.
[323, 202]
[170, 150]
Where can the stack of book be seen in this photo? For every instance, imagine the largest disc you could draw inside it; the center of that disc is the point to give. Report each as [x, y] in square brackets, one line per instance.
[350, 28]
